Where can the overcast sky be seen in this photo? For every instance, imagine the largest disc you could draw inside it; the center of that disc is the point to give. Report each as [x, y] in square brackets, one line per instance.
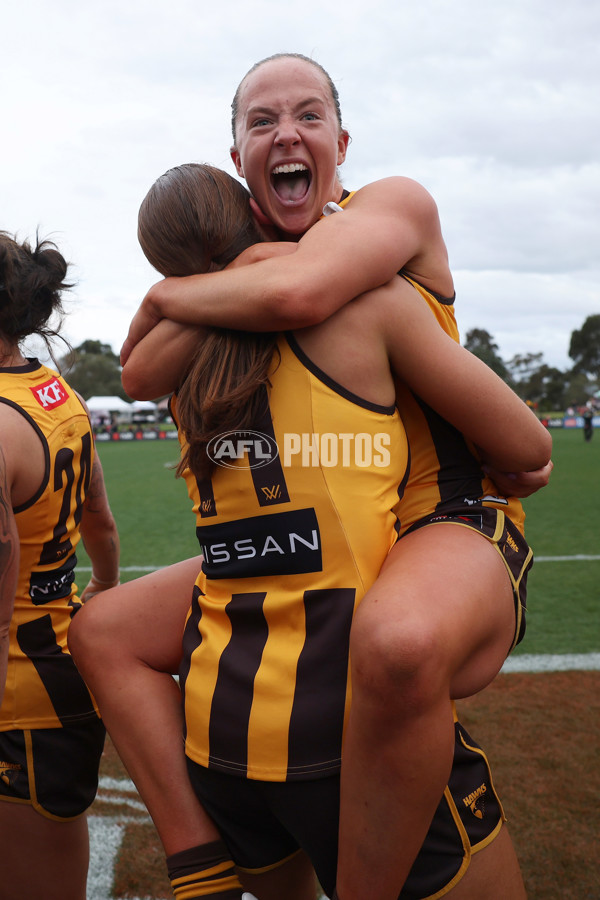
[493, 107]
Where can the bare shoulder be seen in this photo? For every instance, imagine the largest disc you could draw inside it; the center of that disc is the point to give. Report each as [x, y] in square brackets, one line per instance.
[82, 401]
[405, 215]
[23, 453]
[396, 194]
[14, 428]
[6, 501]
[13, 436]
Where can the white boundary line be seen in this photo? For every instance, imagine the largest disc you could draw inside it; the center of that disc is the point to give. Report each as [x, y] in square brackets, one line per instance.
[552, 662]
[579, 557]
[107, 832]
[106, 836]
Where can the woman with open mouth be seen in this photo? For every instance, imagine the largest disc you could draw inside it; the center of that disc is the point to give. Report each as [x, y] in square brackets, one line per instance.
[420, 638]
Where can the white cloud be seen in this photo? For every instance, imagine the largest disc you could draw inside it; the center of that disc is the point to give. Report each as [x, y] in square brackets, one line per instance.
[526, 313]
[492, 107]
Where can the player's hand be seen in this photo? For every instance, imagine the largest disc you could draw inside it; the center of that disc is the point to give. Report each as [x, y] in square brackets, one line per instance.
[520, 484]
[94, 587]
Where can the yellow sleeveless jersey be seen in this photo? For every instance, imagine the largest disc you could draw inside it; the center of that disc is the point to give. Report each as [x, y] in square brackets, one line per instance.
[444, 469]
[294, 525]
[43, 687]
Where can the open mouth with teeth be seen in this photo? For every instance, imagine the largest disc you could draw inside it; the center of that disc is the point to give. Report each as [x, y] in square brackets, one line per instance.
[291, 181]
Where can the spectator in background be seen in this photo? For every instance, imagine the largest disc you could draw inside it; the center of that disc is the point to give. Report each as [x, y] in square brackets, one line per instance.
[588, 422]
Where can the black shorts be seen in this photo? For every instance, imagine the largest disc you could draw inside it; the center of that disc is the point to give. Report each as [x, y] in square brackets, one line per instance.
[265, 823]
[55, 770]
[504, 535]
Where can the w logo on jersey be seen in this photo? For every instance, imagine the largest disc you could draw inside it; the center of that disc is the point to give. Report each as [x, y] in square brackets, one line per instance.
[272, 493]
[50, 394]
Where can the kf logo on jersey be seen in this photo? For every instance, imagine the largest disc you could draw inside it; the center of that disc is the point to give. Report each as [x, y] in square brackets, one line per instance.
[50, 394]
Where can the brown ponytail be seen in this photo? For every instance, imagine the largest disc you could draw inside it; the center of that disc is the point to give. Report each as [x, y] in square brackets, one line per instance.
[196, 219]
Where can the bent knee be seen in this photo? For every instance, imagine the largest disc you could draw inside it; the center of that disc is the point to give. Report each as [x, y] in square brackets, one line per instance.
[404, 660]
[90, 636]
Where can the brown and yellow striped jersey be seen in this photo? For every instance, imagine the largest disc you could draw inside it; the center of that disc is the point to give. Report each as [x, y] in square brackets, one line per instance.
[294, 525]
[43, 687]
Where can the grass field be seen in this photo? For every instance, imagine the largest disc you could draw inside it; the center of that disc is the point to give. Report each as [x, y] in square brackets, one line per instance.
[151, 506]
[157, 528]
[562, 527]
[541, 731]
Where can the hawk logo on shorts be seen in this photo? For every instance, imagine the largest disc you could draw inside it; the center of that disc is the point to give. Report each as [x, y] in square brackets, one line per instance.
[473, 799]
[512, 543]
[8, 771]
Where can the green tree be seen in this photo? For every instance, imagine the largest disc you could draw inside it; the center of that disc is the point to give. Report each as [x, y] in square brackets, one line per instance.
[524, 367]
[481, 344]
[578, 388]
[549, 387]
[584, 349]
[93, 369]
[541, 385]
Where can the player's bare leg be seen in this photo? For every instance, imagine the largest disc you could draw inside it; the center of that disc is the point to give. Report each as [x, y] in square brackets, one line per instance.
[436, 625]
[42, 857]
[493, 873]
[294, 880]
[125, 642]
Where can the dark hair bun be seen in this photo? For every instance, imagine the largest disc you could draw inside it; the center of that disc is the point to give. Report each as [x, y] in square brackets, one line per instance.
[31, 285]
